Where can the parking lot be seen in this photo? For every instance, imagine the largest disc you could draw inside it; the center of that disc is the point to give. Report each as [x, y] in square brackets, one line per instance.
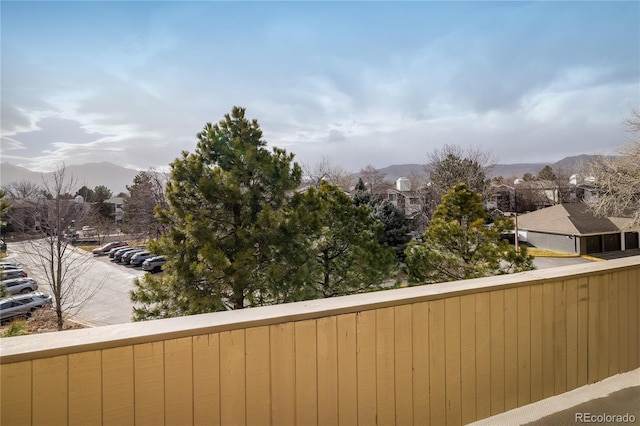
[112, 282]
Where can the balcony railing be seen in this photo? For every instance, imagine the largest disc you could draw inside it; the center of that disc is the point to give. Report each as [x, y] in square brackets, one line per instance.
[448, 353]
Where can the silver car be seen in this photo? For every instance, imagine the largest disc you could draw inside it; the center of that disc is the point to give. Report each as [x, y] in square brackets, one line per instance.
[22, 305]
[20, 285]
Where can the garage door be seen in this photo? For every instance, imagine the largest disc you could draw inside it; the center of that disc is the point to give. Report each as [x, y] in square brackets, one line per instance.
[631, 240]
[612, 242]
[594, 244]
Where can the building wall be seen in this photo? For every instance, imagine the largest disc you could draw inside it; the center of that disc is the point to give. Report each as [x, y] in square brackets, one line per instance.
[440, 354]
[557, 242]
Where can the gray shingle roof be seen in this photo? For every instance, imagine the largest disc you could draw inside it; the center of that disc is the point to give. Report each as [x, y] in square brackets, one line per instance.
[569, 219]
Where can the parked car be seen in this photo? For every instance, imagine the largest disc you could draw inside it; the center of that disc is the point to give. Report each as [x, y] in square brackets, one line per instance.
[138, 258]
[7, 274]
[20, 285]
[117, 256]
[126, 258]
[107, 247]
[154, 264]
[23, 305]
[114, 250]
[8, 264]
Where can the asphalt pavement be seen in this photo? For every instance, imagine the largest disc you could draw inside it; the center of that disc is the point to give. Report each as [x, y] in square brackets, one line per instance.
[111, 283]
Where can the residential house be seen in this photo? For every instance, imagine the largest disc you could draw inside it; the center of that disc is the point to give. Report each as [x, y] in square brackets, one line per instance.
[573, 228]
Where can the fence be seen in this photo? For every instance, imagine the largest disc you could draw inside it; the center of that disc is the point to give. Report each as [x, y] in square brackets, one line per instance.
[448, 353]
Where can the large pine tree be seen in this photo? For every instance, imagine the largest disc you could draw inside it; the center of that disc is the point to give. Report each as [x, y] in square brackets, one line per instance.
[226, 213]
[458, 244]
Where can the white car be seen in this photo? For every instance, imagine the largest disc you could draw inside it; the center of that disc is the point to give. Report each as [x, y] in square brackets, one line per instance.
[154, 264]
[20, 285]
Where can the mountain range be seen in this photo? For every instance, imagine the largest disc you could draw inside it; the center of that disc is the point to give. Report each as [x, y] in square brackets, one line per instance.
[116, 178]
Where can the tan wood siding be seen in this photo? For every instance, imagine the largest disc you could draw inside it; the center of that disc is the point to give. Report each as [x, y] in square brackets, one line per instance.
[450, 358]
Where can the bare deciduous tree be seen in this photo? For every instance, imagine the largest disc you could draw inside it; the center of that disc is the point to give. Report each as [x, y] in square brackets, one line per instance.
[22, 190]
[452, 165]
[618, 178]
[327, 170]
[373, 180]
[146, 194]
[50, 251]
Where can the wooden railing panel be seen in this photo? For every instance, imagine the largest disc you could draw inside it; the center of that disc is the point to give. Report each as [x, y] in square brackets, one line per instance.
[524, 345]
[232, 378]
[536, 346]
[456, 355]
[347, 370]
[258, 384]
[468, 370]
[633, 301]
[306, 373]
[572, 334]
[583, 332]
[206, 380]
[420, 357]
[497, 351]
[483, 354]
[15, 395]
[283, 409]
[327, 353]
[118, 386]
[560, 338]
[385, 374]
[85, 388]
[452, 360]
[612, 333]
[603, 327]
[403, 363]
[178, 379]
[148, 361]
[623, 322]
[366, 344]
[437, 377]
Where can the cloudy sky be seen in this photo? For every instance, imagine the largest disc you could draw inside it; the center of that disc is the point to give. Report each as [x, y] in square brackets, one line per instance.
[360, 83]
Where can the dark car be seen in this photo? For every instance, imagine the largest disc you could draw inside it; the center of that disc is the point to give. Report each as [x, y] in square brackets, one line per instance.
[7, 274]
[20, 285]
[154, 264]
[22, 305]
[107, 247]
[126, 258]
[117, 256]
[138, 258]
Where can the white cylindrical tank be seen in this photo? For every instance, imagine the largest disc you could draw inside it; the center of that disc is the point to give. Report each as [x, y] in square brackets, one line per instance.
[403, 184]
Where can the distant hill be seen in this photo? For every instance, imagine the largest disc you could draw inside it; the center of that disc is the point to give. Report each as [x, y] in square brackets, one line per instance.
[570, 165]
[114, 177]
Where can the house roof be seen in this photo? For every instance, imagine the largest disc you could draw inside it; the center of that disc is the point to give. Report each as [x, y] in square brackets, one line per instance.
[569, 219]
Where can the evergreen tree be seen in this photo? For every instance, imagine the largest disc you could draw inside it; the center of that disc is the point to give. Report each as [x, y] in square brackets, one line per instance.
[397, 228]
[458, 244]
[343, 253]
[101, 193]
[360, 194]
[86, 193]
[227, 203]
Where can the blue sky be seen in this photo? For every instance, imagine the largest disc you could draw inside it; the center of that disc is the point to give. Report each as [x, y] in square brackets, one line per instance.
[358, 83]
